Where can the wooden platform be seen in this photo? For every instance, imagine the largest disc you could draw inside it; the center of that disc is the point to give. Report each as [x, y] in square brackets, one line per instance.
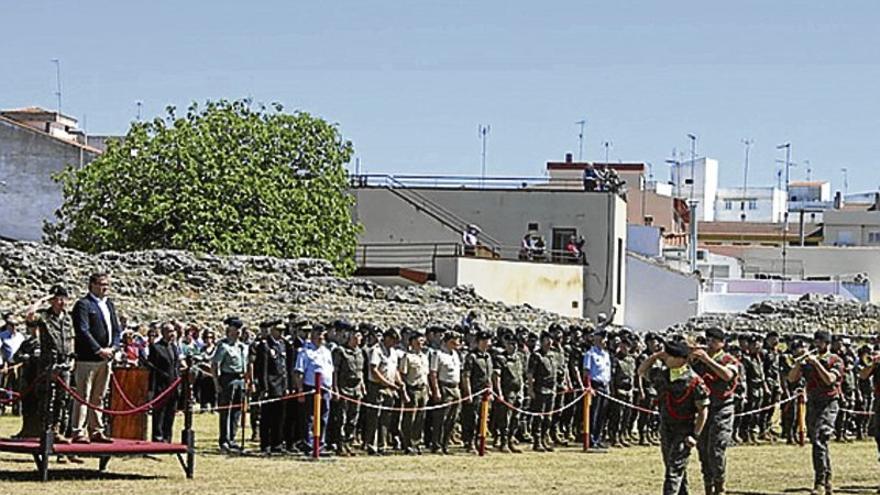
[119, 447]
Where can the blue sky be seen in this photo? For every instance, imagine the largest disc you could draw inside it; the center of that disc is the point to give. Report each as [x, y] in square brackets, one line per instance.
[410, 81]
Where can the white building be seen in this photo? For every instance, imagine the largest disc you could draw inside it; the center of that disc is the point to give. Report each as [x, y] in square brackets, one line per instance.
[754, 204]
[698, 180]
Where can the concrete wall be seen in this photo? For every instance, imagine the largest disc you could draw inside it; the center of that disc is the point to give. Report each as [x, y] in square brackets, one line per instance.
[822, 261]
[505, 215]
[28, 158]
[644, 240]
[553, 287]
[852, 228]
[657, 296]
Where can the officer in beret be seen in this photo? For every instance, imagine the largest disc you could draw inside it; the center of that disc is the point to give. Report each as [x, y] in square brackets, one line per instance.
[684, 401]
[719, 371]
[476, 375]
[349, 364]
[823, 371]
[56, 352]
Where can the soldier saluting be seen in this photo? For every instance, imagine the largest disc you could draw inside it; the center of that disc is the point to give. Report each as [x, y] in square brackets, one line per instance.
[720, 372]
[823, 371]
[683, 400]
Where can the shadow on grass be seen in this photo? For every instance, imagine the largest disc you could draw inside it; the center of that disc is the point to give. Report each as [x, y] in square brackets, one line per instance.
[852, 489]
[74, 475]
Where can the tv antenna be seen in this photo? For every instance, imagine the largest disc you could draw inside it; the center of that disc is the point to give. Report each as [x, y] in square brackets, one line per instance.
[483, 131]
[582, 123]
[57, 63]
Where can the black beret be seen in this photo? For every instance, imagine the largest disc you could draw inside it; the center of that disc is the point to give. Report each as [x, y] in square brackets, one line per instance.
[391, 333]
[483, 335]
[342, 326]
[677, 348]
[58, 291]
[234, 322]
[715, 333]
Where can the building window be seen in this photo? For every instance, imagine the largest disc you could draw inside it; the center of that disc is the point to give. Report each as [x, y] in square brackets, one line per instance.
[728, 204]
[753, 204]
[874, 237]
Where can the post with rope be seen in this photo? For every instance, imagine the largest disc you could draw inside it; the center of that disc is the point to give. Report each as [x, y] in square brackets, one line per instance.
[245, 405]
[484, 421]
[316, 418]
[47, 439]
[802, 417]
[188, 437]
[585, 416]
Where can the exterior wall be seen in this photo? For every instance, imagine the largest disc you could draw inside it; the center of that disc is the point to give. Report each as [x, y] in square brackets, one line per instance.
[852, 228]
[553, 287]
[644, 240]
[505, 215]
[28, 195]
[657, 296]
[769, 204]
[704, 188]
[821, 261]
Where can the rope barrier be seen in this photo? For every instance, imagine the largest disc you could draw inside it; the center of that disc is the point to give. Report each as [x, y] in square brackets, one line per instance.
[121, 392]
[142, 408]
[404, 409]
[534, 413]
[858, 413]
[627, 404]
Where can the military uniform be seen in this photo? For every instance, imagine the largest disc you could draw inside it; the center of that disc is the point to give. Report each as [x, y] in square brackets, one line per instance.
[754, 376]
[230, 359]
[414, 372]
[350, 366]
[718, 430]
[647, 423]
[681, 394]
[511, 369]
[770, 361]
[28, 355]
[822, 408]
[478, 371]
[270, 368]
[447, 365]
[378, 421]
[789, 409]
[56, 350]
[623, 368]
[542, 370]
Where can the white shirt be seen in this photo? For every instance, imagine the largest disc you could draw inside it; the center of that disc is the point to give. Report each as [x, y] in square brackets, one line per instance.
[385, 362]
[105, 311]
[312, 359]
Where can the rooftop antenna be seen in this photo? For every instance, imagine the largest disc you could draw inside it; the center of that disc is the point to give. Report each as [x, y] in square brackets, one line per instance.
[57, 82]
[845, 181]
[139, 104]
[607, 145]
[787, 147]
[582, 123]
[483, 131]
[693, 139]
[809, 170]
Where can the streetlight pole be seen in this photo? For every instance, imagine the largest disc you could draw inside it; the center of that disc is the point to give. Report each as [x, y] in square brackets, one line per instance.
[693, 139]
[787, 147]
[845, 181]
[582, 123]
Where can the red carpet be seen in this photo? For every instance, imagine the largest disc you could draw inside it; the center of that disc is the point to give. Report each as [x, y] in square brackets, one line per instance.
[118, 447]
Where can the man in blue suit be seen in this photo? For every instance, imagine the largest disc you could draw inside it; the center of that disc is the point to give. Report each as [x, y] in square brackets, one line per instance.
[96, 328]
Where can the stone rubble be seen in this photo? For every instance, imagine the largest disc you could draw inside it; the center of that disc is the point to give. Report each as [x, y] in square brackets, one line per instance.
[810, 313]
[202, 288]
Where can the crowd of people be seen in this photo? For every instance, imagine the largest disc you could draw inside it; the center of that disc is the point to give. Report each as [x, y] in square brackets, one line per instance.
[419, 390]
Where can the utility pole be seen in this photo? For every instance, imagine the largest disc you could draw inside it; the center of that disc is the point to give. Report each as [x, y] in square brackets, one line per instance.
[139, 104]
[483, 131]
[57, 63]
[607, 145]
[809, 168]
[748, 143]
[692, 248]
[693, 139]
[582, 123]
[845, 181]
[787, 147]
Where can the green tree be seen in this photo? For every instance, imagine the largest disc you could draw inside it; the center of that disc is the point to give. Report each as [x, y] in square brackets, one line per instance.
[224, 179]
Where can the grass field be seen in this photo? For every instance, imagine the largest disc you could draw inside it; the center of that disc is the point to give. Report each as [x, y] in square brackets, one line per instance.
[770, 469]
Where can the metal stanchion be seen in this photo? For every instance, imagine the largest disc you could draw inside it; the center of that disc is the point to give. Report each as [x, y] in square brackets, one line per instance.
[316, 419]
[484, 421]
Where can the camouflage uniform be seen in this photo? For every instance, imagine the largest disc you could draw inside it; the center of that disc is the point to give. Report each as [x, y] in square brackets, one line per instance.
[718, 431]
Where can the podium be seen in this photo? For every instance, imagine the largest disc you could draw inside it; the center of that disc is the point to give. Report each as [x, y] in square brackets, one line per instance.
[135, 385]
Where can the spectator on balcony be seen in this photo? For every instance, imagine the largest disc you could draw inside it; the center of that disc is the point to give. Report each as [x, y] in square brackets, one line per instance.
[574, 249]
[469, 239]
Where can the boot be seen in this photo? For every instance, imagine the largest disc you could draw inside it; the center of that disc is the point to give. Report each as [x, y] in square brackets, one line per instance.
[502, 445]
[719, 487]
[545, 441]
[709, 487]
[828, 489]
[537, 447]
[512, 448]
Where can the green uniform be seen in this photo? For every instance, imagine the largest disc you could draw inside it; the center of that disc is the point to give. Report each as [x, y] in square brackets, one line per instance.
[822, 408]
[681, 393]
[349, 366]
[510, 368]
[414, 372]
[718, 430]
[478, 372]
[56, 348]
[542, 369]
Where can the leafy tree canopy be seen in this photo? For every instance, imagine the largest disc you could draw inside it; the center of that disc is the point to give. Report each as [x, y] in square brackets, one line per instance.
[225, 178]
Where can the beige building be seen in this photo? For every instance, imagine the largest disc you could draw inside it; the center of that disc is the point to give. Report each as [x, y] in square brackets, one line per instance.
[852, 227]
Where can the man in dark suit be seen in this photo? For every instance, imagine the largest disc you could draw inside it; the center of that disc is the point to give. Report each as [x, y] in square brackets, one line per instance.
[96, 329]
[164, 363]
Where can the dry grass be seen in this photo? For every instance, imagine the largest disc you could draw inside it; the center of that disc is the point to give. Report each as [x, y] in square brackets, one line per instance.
[753, 470]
